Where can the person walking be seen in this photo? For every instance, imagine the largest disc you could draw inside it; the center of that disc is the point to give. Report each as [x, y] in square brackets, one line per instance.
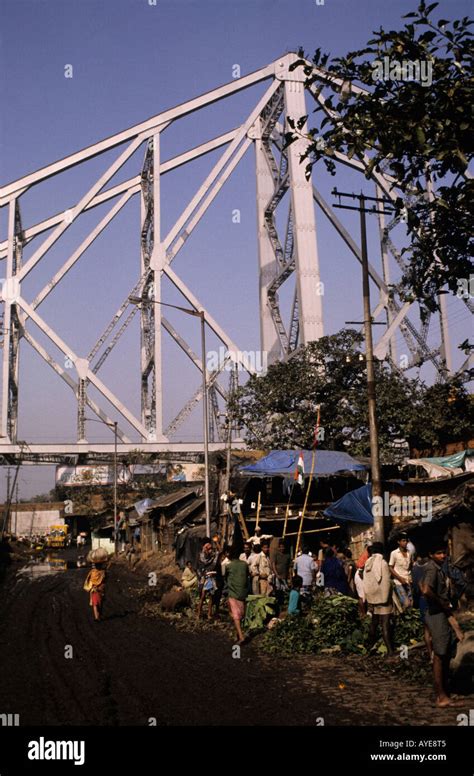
[237, 574]
[438, 619]
[95, 586]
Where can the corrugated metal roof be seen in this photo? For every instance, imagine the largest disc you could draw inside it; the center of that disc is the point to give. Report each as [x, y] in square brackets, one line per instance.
[173, 498]
[183, 514]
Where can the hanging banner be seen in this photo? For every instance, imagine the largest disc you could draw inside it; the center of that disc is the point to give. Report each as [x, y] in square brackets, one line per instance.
[81, 476]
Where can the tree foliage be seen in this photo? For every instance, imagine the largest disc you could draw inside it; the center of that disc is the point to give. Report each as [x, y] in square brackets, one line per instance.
[279, 409]
[414, 130]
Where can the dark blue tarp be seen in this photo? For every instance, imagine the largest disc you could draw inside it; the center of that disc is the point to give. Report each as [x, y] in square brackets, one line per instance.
[355, 506]
[283, 463]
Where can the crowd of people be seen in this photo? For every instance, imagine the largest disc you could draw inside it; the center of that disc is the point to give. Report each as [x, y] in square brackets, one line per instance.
[383, 588]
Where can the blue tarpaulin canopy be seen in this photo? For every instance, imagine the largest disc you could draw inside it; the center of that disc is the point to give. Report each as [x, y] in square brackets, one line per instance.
[282, 463]
[355, 506]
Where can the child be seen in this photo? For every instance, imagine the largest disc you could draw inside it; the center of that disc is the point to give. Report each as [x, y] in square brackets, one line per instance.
[294, 602]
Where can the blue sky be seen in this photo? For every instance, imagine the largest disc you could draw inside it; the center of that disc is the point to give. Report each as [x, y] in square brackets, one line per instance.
[131, 60]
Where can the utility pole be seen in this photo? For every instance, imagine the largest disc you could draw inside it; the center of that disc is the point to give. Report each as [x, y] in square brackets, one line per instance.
[6, 516]
[377, 496]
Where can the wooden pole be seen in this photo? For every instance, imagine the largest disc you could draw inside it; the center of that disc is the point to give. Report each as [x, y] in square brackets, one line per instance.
[379, 523]
[288, 510]
[243, 525]
[258, 509]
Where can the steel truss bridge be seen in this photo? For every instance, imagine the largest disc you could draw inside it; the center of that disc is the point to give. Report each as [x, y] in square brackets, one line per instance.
[281, 254]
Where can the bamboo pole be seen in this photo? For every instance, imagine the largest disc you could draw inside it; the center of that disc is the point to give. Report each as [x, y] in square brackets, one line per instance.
[315, 530]
[313, 459]
[243, 525]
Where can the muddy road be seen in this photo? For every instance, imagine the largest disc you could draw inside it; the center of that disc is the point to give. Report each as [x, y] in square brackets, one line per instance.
[58, 667]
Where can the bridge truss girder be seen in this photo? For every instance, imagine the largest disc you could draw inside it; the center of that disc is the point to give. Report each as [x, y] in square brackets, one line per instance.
[278, 173]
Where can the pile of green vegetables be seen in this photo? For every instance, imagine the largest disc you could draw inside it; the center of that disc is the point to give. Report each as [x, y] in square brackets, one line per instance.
[334, 623]
[258, 610]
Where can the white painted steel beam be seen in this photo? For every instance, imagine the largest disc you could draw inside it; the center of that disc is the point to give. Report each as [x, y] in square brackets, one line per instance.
[213, 177]
[83, 247]
[267, 262]
[7, 292]
[351, 244]
[73, 384]
[189, 352]
[304, 227]
[87, 373]
[145, 128]
[156, 263]
[79, 448]
[70, 216]
[236, 354]
[382, 346]
[186, 410]
[131, 183]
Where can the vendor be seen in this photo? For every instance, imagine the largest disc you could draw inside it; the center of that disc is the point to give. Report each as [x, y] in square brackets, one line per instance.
[258, 537]
[189, 578]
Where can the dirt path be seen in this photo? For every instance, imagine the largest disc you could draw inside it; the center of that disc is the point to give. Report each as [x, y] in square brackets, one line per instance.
[131, 668]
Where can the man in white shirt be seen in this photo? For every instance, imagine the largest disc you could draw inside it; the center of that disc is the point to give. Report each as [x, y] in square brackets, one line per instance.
[245, 555]
[306, 568]
[262, 566]
[400, 564]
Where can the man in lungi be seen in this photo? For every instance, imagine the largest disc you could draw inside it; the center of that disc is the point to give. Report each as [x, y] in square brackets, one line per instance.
[237, 574]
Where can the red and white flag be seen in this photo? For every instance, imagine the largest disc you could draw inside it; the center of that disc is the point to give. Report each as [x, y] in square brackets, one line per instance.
[299, 473]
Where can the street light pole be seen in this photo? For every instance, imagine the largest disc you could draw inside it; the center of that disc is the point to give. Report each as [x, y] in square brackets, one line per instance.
[115, 427]
[205, 420]
[115, 488]
[205, 413]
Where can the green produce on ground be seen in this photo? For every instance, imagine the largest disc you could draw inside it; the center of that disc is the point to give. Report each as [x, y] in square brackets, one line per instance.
[334, 622]
[258, 610]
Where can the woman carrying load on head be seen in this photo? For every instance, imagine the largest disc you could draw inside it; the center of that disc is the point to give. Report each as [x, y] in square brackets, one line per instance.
[95, 586]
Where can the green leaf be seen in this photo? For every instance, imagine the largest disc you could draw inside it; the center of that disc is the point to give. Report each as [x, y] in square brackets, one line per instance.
[420, 136]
